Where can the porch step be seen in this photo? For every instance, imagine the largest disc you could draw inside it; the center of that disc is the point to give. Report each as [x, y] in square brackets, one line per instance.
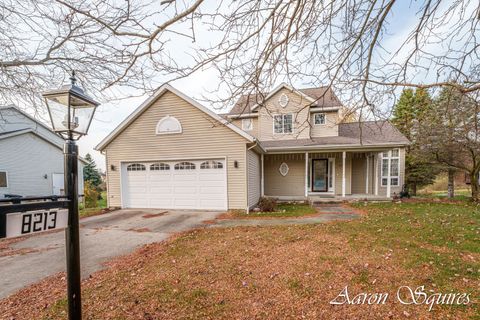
[319, 202]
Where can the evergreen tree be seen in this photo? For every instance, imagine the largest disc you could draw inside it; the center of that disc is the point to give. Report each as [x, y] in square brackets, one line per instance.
[452, 135]
[409, 114]
[90, 171]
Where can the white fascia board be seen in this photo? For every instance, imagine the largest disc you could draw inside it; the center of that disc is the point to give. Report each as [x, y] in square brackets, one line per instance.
[338, 147]
[281, 86]
[167, 87]
[242, 116]
[324, 109]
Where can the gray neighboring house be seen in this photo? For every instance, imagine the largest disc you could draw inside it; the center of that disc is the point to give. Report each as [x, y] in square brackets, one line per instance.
[31, 156]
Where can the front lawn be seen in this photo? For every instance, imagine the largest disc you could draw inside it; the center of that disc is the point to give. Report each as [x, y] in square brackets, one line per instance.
[286, 272]
[284, 210]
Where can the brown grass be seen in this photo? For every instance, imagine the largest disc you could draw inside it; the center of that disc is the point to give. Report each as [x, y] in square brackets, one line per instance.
[283, 272]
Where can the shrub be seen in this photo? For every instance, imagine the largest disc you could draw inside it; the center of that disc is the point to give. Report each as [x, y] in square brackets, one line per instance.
[91, 195]
[267, 204]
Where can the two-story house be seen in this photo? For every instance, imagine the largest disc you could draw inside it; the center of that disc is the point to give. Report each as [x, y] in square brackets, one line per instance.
[174, 153]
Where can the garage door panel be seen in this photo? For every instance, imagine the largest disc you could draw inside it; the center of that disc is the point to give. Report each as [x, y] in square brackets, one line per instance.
[175, 189]
[213, 176]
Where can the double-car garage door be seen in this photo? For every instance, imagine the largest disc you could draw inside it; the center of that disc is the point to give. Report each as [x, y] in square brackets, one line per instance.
[184, 184]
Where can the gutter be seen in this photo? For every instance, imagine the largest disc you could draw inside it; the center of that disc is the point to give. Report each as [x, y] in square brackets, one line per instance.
[327, 147]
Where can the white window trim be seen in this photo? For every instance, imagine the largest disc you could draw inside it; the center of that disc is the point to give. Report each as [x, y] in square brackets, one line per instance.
[287, 99]
[324, 119]
[389, 158]
[179, 130]
[244, 127]
[6, 179]
[283, 127]
[284, 169]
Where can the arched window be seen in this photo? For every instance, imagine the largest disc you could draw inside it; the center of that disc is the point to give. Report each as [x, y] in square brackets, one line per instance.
[211, 165]
[184, 166]
[159, 167]
[169, 125]
[136, 167]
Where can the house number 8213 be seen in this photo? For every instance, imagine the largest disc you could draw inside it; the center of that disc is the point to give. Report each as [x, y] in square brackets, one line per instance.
[39, 221]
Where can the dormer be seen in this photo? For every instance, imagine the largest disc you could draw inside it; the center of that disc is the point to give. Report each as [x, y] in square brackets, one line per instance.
[287, 113]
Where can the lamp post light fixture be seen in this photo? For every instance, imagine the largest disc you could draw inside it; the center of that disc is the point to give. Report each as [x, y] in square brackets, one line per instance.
[71, 112]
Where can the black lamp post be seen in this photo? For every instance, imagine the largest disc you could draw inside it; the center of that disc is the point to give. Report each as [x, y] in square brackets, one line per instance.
[71, 112]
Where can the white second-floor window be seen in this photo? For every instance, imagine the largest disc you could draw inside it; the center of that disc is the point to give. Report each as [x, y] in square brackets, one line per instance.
[283, 123]
[319, 118]
[247, 124]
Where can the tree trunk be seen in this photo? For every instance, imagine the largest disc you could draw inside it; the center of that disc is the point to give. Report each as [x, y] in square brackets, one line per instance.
[451, 178]
[474, 185]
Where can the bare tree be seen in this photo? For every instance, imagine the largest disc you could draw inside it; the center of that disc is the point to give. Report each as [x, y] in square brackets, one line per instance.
[252, 44]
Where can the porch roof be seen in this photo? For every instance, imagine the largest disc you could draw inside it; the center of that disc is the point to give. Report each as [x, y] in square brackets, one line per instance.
[350, 135]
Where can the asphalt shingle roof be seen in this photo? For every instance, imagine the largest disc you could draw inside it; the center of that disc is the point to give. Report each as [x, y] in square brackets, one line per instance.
[324, 96]
[368, 133]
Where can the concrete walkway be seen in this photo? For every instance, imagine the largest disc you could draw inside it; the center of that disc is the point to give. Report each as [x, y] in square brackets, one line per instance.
[327, 213]
[102, 238]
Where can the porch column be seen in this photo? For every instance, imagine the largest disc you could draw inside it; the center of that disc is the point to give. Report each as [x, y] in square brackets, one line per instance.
[344, 158]
[306, 174]
[262, 181]
[376, 173]
[389, 161]
[366, 179]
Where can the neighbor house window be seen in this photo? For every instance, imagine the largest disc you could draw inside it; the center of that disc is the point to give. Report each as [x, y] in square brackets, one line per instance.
[391, 159]
[247, 124]
[319, 118]
[184, 166]
[159, 167]
[3, 179]
[136, 167]
[211, 165]
[283, 123]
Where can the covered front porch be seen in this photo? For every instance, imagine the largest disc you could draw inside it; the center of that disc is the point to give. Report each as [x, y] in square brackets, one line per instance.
[343, 175]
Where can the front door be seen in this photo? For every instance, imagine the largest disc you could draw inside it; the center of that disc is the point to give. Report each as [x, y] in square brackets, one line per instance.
[319, 175]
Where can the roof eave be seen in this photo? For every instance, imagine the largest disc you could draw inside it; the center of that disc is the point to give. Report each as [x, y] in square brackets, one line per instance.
[167, 87]
[336, 146]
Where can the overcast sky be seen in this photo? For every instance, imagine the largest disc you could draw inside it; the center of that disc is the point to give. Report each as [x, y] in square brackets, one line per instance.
[203, 82]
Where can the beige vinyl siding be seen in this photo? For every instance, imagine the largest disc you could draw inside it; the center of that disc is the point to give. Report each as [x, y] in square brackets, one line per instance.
[254, 174]
[297, 106]
[293, 184]
[382, 190]
[330, 128]
[253, 132]
[202, 137]
[359, 176]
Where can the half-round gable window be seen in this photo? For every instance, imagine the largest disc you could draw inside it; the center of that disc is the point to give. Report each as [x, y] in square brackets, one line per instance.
[184, 166]
[211, 165]
[136, 167]
[169, 125]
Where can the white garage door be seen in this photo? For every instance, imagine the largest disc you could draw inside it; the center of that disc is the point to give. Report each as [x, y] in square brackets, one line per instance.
[186, 184]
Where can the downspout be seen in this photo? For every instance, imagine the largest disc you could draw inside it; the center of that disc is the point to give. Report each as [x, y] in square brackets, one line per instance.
[246, 172]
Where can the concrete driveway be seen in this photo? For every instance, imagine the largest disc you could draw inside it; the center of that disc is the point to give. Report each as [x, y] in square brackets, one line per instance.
[102, 238]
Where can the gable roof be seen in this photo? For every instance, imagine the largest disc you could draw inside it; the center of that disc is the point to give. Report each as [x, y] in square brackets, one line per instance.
[351, 135]
[318, 96]
[47, 134]
[147, 103]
